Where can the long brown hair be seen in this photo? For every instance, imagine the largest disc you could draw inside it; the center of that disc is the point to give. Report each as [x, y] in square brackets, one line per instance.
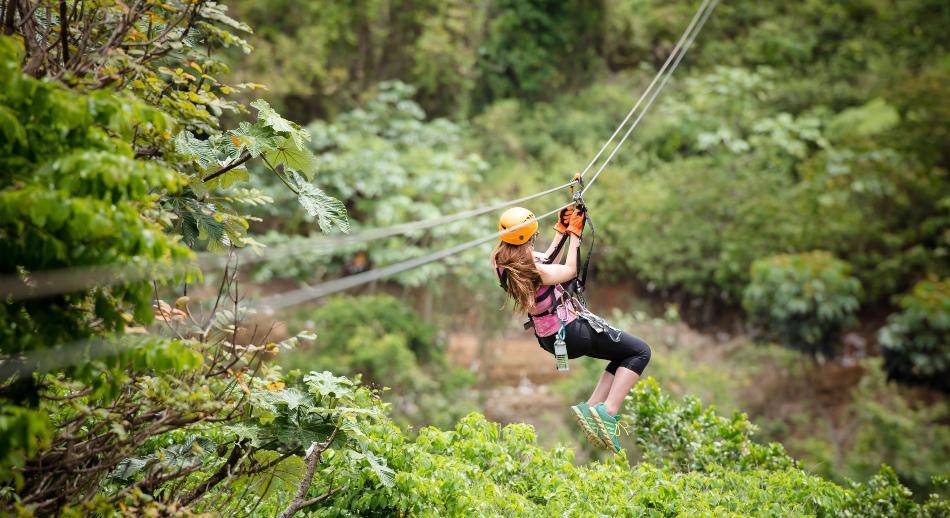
[523, 277]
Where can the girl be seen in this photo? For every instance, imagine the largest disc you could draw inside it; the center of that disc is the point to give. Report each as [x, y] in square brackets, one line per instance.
[534, 282]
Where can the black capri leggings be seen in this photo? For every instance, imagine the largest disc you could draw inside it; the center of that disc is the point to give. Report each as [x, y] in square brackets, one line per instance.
[630, 352]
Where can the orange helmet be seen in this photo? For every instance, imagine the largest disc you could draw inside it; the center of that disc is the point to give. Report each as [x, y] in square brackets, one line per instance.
[512, 218]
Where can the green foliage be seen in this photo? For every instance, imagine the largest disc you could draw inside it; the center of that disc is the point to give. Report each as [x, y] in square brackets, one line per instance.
[94, 405]
[459, 54]
[687, 437]
[92, 181]
[317, 408]
[908, 435]
[717, 221]
[791, 400]
[806, 300]
[916, 339]
[74, 197]
[343, 317]
[878, 207]
[478, 468]
[164, 53]
[384, 340]
[389, 166]
[23, 432]
[534, 48]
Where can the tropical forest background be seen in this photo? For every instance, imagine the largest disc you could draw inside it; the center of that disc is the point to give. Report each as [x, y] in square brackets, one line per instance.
[777, 229]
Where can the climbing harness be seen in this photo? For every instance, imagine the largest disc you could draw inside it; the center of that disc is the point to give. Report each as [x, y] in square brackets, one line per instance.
[579, 284]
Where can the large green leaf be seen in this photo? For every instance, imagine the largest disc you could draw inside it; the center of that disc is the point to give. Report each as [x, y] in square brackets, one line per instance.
[255, 139]
[287, 153]
[328, 210]
[378, 465]
[326, 384]
[200, 151]
[269, 117]
[289, 397]
[244, 431]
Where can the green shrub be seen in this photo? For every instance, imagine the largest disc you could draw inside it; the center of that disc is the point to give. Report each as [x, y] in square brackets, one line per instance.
[687, 437]
[383, 339]
[694, 228]
[916, 340]
[804, 300]
[892, 428]
[479, 468]
[345, 317]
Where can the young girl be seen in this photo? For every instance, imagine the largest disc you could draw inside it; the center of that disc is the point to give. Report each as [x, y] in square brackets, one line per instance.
[534, 283]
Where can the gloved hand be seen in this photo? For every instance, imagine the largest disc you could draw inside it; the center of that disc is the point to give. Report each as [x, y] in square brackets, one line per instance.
[578, 218]
[563, 219]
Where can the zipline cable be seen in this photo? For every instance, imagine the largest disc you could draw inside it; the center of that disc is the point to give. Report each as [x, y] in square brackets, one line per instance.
[68, 280]
[70, 354]
[323, 289]
[653, 97]
[298, 296]
[274, 302]
[399, 229]
[669, 59]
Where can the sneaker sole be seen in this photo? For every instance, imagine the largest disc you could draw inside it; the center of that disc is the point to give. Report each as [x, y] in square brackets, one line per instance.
[592, 437]
[603, 429]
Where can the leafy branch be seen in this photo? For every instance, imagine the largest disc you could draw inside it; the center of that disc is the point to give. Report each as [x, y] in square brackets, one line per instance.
[281, 146]
[227, 168]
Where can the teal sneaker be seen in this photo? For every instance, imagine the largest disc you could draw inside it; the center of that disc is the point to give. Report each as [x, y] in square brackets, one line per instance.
[608, 426]
[589, 425]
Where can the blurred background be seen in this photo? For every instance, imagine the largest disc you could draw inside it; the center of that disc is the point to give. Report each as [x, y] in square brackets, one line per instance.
[777, 229]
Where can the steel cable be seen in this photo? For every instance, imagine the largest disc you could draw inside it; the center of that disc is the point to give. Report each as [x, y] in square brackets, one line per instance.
[653, 97]
[669, 59]
[68, 280]
[272, 303]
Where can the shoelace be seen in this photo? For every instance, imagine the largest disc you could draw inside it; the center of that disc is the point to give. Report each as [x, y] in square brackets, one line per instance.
[622, 427]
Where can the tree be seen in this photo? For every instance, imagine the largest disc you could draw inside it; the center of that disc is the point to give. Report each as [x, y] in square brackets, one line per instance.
[93, 178]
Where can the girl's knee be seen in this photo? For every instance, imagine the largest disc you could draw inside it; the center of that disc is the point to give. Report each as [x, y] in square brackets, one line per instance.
[639, 361]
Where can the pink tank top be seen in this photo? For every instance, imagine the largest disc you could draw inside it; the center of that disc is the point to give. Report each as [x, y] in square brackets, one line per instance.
[545, 298]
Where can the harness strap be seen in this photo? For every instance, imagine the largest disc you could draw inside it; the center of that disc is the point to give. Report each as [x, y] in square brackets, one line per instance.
[583, 273]
[557, 250]
[547, 293]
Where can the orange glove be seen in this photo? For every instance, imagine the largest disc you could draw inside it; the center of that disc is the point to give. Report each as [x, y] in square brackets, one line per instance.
[578, 218]
[563, 219]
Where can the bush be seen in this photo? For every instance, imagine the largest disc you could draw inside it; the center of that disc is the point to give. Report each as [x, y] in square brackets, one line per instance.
[910, 436]
[916, 340]
[687, 437]
[344, 318]
[390, 164]
[386, 341]
[804, 300]
[482, 469]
